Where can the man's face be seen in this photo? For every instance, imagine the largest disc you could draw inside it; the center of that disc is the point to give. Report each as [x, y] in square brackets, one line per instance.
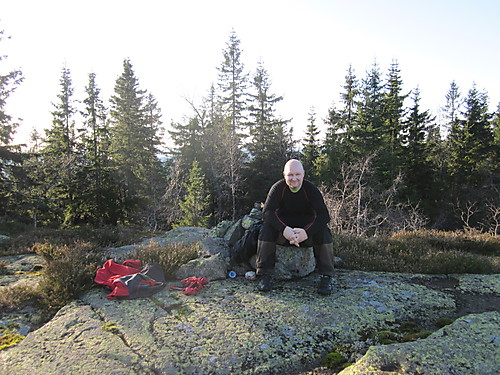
[294, 175]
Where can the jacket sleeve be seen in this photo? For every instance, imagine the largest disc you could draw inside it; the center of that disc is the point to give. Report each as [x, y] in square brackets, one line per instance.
[321, 215]
[271, 206]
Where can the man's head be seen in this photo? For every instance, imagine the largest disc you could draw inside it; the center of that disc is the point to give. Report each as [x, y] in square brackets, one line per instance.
[294, 174]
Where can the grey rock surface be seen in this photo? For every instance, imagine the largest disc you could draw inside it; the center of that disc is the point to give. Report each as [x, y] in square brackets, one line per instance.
[471, 345]
[292, 262]
[229, 328]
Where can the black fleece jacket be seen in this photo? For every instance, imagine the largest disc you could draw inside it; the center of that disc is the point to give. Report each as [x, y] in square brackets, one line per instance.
[303, 209]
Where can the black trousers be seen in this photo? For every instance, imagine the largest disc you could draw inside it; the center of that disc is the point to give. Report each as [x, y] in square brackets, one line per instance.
[269, 237]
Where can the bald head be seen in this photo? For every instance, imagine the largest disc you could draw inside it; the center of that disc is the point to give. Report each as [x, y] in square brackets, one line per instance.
[294, 174]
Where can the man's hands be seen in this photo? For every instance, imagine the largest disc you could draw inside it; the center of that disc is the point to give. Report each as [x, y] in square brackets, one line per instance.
[295, 235]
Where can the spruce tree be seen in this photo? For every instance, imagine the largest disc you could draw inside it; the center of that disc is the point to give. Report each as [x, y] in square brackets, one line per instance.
[367, 135]
[393, 116]
[61, 158]
[268, 145]
[471, 157]
[10, 159]
[470, 140]
[196, 202]
[232, 84]
[420, 183]
[135, 142]
[311, 149]
[60, 138]
[98, 194]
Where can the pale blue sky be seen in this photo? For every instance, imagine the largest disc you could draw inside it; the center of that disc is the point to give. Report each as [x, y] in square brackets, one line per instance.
[306, 46]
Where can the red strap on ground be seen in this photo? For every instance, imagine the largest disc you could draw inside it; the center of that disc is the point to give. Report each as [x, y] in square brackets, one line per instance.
[192, 285]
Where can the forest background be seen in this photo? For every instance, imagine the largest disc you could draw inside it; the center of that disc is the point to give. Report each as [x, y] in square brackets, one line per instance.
[385, 164]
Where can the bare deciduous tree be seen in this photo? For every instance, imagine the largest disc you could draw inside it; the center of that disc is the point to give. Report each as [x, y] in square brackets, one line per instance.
[359, 207]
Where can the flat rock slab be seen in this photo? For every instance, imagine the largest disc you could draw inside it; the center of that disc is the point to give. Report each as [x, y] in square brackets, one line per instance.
[471, 345]
[229, 328]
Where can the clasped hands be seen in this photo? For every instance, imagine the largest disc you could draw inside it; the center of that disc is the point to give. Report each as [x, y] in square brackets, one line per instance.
[295, 235]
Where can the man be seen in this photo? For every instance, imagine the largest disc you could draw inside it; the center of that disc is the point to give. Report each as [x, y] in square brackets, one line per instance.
[295, 213]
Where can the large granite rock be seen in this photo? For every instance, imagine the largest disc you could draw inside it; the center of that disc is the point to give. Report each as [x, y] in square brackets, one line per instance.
[229, 328]
[213, 268]
[292, 262]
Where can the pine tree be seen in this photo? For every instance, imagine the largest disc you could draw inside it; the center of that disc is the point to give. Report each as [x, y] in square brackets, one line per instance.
[197, 200]
[341, 133]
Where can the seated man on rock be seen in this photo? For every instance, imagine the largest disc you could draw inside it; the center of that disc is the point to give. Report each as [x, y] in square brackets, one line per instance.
[294, 213]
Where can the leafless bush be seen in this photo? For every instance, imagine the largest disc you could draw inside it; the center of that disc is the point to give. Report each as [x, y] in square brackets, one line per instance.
[358, 206]
[170, 208]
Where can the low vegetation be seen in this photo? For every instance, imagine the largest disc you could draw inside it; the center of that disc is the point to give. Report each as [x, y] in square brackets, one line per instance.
[169, 257]
[422, 251]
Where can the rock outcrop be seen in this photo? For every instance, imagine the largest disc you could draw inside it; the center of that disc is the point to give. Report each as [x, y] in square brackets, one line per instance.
[230, 328]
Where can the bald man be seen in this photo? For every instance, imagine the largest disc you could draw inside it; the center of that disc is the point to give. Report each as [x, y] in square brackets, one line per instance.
[295, 214]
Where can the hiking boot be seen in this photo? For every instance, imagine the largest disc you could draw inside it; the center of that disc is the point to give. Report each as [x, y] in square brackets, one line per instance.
[325, 285]
[265, 283]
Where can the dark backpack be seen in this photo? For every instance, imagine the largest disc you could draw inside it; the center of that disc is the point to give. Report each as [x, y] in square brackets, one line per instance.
[246, 246]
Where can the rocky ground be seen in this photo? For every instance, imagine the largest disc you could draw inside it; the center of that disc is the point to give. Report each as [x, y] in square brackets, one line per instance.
[230, 328]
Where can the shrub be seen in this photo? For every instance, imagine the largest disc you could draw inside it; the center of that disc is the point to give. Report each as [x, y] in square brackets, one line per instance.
[13, 297]
[170, 257]
[69, 272]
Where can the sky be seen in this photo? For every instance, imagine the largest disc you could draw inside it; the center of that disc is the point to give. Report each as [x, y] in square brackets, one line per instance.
[306, 46]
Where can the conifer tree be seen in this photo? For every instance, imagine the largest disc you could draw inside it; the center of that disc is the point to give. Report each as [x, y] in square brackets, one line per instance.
[135, 141]
[311, 149]
[367, 135]
[453, 105]
[420, 182]
[233, 83]
[60, 138]
[471, 157]
[341, 132]
[10, 160]
[470, 140]
[393, 116]
[196, 202]
[98, 194]
[8, 83]
[60, 157]
[269, 145]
